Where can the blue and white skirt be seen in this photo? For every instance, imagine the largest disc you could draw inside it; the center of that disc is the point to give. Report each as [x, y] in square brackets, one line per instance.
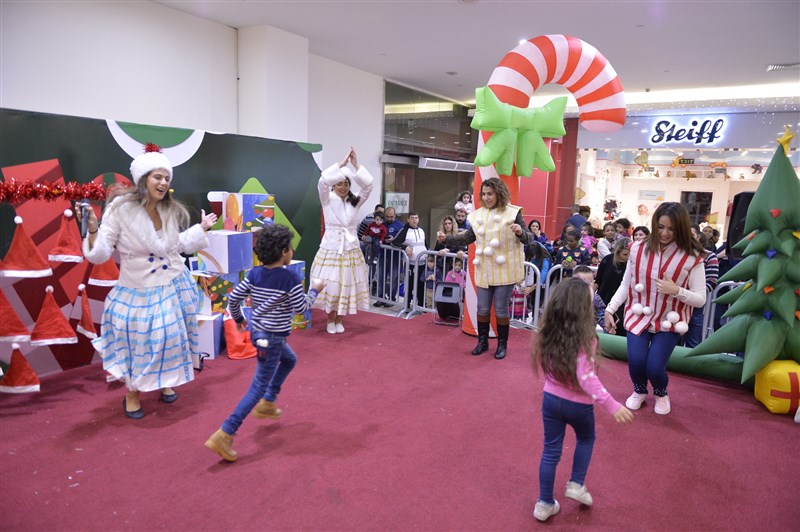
[148, 335]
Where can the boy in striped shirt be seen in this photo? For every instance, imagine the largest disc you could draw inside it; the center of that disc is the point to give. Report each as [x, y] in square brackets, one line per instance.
[276, 294]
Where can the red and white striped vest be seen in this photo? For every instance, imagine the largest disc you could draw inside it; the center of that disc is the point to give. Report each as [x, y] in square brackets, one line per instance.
[645, 268]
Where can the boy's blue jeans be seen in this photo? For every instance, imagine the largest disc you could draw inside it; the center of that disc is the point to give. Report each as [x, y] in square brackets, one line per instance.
[648, 354]
[273, 366]
[557, 413]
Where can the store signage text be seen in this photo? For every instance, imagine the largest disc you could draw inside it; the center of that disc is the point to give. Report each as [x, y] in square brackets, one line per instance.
[705, 132]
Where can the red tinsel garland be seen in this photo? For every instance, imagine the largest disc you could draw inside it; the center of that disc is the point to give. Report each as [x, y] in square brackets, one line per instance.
[13, 192]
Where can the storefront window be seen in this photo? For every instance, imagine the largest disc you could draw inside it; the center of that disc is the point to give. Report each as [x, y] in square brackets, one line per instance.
[416, 123]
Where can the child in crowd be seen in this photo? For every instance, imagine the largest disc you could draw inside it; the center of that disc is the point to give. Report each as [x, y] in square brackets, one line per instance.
[587, 236]
[572, 253]
[431, 275]
[457, 274]
[464, 202]
[585, 274]
[276, 295]
[606, 244]
[565, 351]
[623, 226]
[377, 232]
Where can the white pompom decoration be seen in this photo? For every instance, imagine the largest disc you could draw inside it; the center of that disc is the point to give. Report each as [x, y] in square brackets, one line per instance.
[17, 220]
[673, 316]
[497, 218]
[647, 311]
[478, 251]
[15, 346]
[681, 327]
[488, 251]
[479, 221]
[494, 243]
[68, 213]
[476, 261]
[49, 289]
[81, 287]
[480, 230]
[636, 308]
[500, 259]
[639, 287]
[666, 325]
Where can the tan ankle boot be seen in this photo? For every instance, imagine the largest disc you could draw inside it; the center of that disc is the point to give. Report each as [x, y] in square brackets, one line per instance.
[221, 443]
[268, 409]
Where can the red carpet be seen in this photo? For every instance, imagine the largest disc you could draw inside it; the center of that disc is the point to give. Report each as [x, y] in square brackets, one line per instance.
[390, 426]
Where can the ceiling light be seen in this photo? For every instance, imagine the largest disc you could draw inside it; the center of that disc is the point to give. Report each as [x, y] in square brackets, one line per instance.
[783, 66]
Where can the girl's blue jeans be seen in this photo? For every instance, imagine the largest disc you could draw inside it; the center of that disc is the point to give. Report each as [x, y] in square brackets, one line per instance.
[648, 354]
[273, 366]
[557, 413]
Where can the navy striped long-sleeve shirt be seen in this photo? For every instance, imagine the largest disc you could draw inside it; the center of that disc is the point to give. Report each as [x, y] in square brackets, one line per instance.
[276, 294]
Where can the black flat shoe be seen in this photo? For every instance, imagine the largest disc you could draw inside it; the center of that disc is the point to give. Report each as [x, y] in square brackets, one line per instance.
[136, 414]
[169, 398]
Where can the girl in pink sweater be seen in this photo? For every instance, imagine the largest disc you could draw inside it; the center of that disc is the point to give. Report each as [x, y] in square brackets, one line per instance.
[565, 351]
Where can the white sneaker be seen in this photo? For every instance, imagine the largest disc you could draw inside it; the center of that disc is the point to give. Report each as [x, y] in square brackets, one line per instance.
[634, 402]
[339, 328]
[578, 492]
[543, 511]
[662, 405]
[331, 328]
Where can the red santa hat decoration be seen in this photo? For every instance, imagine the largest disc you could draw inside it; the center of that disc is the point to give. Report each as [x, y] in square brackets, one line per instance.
[68, 248]
[105, 274]
[20, 377]
[51, 325]
[86, 325]
[11, 327]
[23, 259]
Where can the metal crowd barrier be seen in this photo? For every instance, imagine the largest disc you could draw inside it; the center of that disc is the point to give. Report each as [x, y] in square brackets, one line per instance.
[526, 318]
[444, 263]
[711, 308]
[386, 273]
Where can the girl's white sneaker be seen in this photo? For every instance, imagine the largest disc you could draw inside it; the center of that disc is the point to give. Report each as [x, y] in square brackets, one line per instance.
[578, 492]
[331, 328]
[339, 328]
[543, 511]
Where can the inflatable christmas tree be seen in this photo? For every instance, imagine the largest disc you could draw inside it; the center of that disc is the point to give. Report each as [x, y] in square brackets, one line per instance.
[765, 309]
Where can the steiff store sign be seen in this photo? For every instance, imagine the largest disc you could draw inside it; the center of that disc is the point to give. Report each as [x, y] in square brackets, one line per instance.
[702, 132]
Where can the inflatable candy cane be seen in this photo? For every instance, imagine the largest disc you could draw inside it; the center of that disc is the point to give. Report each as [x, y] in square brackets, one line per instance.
[576, 65]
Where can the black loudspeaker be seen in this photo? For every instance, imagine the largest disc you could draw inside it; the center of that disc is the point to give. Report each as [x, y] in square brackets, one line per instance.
[447, 299]
[741, 202]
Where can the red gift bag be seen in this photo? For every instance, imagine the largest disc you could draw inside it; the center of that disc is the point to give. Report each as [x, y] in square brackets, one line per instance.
[238, 344]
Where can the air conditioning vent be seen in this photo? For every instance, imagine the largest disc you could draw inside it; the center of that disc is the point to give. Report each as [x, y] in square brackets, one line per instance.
[783, 66]
[444, 164]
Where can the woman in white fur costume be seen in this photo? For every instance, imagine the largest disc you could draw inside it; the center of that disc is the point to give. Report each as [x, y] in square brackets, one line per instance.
[149, 329]
[339, 261]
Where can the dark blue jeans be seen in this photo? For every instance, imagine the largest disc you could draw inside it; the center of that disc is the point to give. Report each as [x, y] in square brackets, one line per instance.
[557, 413]
[648, 354]
[273, 366]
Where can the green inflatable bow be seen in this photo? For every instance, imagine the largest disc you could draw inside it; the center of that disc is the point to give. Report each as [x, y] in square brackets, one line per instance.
[517, 132]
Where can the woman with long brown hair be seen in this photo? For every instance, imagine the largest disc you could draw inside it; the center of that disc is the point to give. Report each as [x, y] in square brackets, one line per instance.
[664, 279]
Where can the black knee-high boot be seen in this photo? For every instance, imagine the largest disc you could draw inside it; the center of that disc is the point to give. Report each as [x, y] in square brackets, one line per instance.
[483, 336]
[502, 338]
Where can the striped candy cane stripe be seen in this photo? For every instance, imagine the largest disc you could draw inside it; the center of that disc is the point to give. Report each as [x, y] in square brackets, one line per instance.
[566, 61]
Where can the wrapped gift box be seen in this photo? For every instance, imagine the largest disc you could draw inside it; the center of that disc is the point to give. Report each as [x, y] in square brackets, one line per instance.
[227, 252]
[211, 338]
[214, 290]
[778, 386]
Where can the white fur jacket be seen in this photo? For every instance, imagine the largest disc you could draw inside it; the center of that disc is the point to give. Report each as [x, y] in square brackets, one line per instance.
[147, 259]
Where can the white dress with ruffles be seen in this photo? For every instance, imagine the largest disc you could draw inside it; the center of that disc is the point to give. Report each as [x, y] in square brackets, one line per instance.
[339, 261]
